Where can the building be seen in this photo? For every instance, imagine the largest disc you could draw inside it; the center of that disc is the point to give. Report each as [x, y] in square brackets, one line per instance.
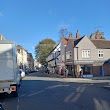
[57, 57]
[21, 57]
[97, 35]
[92, 56]
[1, 37]
[37, 64]
[64, 42]
[30, 61]
[54, 59]
[51, 59]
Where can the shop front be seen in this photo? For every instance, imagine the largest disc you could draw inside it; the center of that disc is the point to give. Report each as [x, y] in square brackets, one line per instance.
[84, 68]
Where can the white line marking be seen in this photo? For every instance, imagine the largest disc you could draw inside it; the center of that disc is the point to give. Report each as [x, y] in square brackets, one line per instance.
[17, 107]
[36, 93]
[23, 95]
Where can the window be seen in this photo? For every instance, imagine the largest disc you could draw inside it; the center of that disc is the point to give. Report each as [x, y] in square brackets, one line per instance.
[18, 50]
[63, 58]
[85, 53]
[100, 53]
[68, 55]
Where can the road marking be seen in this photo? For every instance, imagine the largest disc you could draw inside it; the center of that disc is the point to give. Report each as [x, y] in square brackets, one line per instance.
[68, 98]
[55, 86]
[77, 96]
[22, 95]
[35, 93]
[17, 107]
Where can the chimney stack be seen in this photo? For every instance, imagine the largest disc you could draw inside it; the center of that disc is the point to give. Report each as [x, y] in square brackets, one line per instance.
[70, 35]
[77, 34]
[97, 36]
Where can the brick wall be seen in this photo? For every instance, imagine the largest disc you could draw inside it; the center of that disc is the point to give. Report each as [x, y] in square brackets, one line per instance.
[95, 70]
[106, 68]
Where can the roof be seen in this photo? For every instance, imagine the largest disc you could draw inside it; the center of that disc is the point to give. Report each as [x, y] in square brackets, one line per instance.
[19, 47]
[53, 49]
[97, 35]
[2, 37]
[64, 40]
[102, 44]
[76, 41]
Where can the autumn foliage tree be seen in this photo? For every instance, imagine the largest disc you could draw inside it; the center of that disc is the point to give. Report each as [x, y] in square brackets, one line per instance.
[43, 49]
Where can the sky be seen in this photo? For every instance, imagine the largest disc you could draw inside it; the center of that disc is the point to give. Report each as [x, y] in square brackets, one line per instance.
[29, 21]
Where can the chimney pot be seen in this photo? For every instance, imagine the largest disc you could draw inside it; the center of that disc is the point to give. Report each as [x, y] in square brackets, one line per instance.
[70, 35]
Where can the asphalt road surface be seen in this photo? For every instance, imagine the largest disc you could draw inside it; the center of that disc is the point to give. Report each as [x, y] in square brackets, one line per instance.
[40, 92]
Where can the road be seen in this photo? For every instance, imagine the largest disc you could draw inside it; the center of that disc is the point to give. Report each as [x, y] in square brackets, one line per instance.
[40, 92]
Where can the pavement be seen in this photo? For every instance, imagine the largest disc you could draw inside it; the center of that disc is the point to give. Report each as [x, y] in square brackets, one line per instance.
[54, 75]
[105, 79]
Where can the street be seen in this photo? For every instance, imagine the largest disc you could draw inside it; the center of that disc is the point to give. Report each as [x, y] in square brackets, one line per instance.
[41, 92]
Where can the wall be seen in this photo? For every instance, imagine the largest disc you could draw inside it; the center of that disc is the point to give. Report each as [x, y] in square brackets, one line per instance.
[85, 43]
[69, 48]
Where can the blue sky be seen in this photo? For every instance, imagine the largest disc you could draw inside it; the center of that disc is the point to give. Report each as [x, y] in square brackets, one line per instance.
[29, 21]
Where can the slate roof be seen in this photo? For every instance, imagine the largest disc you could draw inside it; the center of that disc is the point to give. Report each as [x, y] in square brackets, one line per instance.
[102, 44]
[77, 41]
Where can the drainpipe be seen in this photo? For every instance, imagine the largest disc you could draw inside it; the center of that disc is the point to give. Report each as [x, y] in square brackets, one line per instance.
[65, 55]
[77, 53]
[77, 64]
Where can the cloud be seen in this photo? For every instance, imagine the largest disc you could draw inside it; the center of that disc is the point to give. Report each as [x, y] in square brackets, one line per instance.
[1, 14]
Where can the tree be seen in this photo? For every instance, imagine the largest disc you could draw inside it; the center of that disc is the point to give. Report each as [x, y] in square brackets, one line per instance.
[43, 49]
[63, 32]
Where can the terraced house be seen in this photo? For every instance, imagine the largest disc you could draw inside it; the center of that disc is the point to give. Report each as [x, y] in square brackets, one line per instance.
[92, 56]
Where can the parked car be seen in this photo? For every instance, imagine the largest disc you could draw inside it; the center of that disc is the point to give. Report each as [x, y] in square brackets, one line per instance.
[22, 73]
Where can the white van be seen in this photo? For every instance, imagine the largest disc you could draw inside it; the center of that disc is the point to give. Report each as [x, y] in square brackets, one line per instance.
[9, 71]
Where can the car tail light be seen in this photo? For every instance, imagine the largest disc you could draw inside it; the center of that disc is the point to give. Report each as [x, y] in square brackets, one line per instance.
[13, 88]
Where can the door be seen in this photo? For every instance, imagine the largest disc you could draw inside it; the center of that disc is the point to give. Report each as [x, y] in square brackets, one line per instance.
[100, 71]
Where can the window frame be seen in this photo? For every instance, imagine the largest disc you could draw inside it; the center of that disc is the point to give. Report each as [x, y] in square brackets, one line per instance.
[69, 54]
[100, 52]
[86, 53]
